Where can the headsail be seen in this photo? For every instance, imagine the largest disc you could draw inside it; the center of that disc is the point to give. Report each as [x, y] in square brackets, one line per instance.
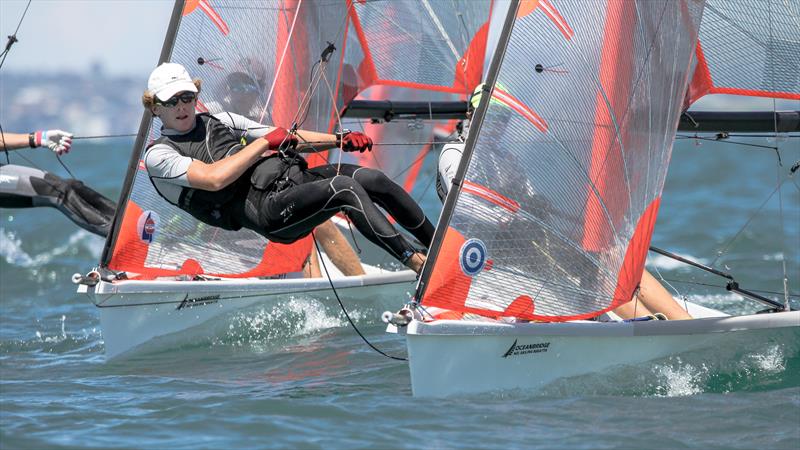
[748, 48]
[563, 171]
[276, 45]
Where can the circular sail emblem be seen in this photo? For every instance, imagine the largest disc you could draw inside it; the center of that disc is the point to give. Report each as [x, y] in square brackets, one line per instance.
[473, 257]
[147, 226]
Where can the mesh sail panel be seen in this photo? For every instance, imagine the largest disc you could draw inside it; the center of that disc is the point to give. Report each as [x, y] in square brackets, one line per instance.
[438, 42]
[749, 48]
[556, 209]
[275, 46]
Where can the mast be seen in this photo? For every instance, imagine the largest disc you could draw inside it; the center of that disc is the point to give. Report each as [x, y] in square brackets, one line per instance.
[141, 136]
[472, 139]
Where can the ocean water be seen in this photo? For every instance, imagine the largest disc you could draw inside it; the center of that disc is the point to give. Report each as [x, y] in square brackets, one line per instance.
[297, 376]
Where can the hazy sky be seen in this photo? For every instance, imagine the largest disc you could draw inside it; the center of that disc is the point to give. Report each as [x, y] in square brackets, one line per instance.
[56, 35]
[126, 37]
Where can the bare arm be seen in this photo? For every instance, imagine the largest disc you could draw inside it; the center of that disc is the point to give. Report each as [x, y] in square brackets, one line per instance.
[216, 176]
[317, 141]
[14, 141]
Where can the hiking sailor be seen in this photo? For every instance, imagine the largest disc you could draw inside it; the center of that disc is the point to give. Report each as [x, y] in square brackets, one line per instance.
[201, 165]
[26, 187]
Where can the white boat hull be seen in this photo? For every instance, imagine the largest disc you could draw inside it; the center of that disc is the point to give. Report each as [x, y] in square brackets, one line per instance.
[460, 357]
[135, 312]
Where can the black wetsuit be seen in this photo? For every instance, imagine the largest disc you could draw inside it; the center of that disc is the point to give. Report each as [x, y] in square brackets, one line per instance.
[280, 198]
[25, 187]
[293, 212]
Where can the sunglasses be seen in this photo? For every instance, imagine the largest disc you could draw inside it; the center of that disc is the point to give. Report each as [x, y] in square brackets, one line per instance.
[185, 97]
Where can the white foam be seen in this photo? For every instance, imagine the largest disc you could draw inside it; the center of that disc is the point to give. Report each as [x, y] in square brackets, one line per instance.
[771, 361]
[773, 257]
[298, 316]
[11, 248]
[663, 262]
[681, 380]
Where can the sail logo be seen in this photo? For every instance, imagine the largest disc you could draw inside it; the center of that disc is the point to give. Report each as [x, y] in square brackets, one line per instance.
[526, 349]
[472, 257]
[147, 226]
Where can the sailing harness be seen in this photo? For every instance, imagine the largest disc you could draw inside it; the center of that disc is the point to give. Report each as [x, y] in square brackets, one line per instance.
[210, 141]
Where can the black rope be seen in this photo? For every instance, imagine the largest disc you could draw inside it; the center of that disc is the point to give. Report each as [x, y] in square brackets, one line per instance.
[103, 136]
[13, 38]
[698, 283]
[344, 310]
[11, 41]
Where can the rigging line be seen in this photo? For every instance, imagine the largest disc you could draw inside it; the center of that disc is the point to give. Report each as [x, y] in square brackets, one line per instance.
[771, 136]
[698, 283]
[677, 292]
[65, 167]
[13, 38]
[5, 147]
[780, 191]
[104, 136]
[344, 310]
[338, 118]
[280, 63]
[440, 27]
[700, 138]
[750, 219]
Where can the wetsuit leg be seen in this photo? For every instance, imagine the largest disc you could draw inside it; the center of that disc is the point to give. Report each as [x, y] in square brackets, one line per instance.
[388, 195]
[294, 212]
[25, 187]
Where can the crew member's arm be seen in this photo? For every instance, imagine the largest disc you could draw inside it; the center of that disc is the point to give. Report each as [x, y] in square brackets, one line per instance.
[56, 140]
[308, 141]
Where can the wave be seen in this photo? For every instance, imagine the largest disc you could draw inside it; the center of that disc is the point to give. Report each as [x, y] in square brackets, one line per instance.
[11, 248]
[56, 341]
[658, 261]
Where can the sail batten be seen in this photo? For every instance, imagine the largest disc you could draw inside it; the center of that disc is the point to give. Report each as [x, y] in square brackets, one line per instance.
[554, 215]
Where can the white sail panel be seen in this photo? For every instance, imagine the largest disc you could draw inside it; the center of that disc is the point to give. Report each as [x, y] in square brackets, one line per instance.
[558, 202]
[748, 48]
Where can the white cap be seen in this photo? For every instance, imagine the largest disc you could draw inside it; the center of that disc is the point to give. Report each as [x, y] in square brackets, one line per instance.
[168, 79]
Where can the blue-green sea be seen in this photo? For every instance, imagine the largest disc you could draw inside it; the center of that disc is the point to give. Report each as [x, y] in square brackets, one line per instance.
[297, 375]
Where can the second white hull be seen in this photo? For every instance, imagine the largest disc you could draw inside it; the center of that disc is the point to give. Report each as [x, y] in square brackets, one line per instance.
[459, 357]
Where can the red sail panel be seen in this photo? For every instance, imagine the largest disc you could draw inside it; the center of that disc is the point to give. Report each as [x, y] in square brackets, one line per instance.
[748, 48]
[607, 199]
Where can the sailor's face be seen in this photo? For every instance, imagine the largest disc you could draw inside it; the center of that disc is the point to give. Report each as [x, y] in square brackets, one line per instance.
[177, 113]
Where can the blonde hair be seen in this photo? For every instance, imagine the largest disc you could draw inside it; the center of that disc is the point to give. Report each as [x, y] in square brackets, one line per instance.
[149, 99]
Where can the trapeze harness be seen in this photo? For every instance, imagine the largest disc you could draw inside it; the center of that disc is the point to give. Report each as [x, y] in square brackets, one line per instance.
[280, 198]
[25, 187]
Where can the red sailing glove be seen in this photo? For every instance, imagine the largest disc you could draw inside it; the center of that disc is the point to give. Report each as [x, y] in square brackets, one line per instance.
[351, 141]
[280, 138]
